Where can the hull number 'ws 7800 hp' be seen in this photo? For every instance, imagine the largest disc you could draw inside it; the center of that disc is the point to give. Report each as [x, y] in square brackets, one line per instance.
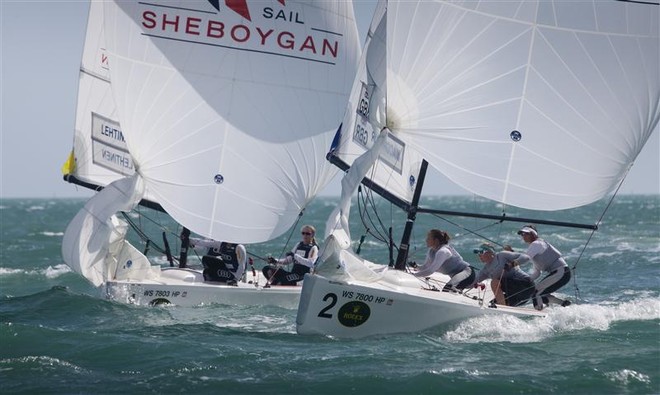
[354, 312]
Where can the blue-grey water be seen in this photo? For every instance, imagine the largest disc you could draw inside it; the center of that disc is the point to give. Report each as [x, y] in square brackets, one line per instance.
[58, 335]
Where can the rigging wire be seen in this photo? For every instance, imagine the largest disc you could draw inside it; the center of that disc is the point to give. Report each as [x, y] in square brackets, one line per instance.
[370, 196]
[475, 232]
[285, 247]
[371, 224]
[143, 236]
[362, 210]
[381, 233]
[293, 229]
[591, 235]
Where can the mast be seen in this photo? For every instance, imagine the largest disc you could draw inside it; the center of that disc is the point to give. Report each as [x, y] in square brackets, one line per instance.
[402, 257]
[185, 243]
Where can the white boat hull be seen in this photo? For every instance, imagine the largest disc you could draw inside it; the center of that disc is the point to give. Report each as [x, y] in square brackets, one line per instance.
[186, 287]
[357, 309]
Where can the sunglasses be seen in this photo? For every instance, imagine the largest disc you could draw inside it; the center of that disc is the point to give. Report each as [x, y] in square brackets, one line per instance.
[306, 233]
[480, 252]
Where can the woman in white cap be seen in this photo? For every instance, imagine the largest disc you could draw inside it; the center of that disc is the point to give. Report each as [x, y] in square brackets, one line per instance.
[546, 259]
[443, 258]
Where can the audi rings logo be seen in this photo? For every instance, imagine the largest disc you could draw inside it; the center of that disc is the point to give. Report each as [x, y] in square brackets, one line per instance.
[238, 6]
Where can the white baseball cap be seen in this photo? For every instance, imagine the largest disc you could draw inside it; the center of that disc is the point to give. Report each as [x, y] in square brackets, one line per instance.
[528, 229]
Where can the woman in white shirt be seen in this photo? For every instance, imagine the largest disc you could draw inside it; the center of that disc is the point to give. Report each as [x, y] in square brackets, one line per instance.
[443, 258]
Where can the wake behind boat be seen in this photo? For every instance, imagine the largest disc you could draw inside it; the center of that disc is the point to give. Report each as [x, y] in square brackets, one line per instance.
[217, 115]
[531, 104]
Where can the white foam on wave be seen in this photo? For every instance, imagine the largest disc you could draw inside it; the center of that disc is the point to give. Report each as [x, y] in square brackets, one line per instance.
[58, 270]
[4, 271]
[624, 376]
[258, 323]
[601, 255]
[50, 271]
[53, 234]
[241, 318]
[506, 328]
[41, 362]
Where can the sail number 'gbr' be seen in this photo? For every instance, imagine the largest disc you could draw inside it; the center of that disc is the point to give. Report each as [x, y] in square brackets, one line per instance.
[360, 135]
[363, 134]
[363, 103]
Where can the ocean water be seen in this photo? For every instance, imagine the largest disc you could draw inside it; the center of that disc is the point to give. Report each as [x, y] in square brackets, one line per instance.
[58, 335]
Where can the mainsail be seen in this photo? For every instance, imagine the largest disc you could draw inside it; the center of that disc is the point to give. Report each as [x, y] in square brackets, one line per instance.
[228, 114]
[535, 104]
[100, 154]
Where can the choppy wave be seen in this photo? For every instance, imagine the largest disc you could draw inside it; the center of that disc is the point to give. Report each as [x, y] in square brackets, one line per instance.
[60, 335]
[625, 376]
[40, 362]
[505, 328]
[9, 272]
[53, 234]
[250, 319]
[49, 272]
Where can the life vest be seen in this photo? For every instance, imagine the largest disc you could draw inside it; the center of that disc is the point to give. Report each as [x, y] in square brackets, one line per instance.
[303, 249]
[226, 252]
[453, 265]
[549, 259]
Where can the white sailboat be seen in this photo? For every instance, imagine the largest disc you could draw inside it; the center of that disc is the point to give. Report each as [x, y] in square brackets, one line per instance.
[218, 115]
[533, 104]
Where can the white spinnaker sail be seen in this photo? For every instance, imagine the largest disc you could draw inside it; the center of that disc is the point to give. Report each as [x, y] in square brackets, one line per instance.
[537, 104]
[228, 113]
[94, 230]
[100, 152]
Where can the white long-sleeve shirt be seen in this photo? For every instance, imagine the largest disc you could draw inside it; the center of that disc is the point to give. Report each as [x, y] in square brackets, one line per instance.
[445, 260]
[545, 257]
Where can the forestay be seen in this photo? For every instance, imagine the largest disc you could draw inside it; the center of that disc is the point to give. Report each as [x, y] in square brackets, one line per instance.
[540, 105]
[227, 110]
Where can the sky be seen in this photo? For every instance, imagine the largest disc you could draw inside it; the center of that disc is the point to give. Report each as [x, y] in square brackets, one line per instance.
[40, 54]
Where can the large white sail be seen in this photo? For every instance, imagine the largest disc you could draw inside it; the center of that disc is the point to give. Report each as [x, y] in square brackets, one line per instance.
[100, 154]
[228, 109]
[95, 231]
[537, 104]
